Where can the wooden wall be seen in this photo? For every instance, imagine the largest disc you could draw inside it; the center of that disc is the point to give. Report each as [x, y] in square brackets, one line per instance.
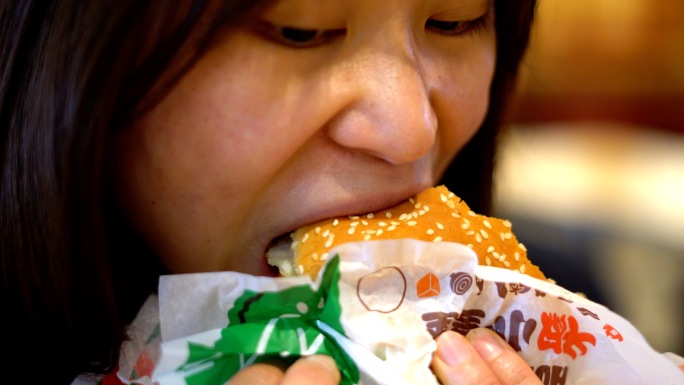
[605, 60]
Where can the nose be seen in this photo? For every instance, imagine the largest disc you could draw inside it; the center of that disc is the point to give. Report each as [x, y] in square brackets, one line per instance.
[386, 104]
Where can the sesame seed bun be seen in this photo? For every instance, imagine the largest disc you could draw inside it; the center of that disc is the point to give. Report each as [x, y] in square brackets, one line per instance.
[435, 214]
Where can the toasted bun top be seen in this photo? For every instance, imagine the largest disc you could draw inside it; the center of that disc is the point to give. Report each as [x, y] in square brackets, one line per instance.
[435, 214]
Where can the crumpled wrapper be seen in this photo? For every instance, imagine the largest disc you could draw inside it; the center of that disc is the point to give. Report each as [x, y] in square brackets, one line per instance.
[376, 308]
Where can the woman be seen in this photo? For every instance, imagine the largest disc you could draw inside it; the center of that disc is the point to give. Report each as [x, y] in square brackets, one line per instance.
[142, 139]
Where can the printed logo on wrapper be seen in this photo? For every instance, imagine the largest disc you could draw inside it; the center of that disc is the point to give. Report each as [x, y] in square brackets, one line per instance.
[266, 325]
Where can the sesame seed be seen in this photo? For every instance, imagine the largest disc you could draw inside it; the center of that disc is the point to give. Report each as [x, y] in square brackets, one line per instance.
[453, 214]
[484, 234]
[430, 231]
[388, 214]
[325, 233]
[470, 232]
[437, 239]
[314, 256]
[443, 198]
[490, 249]
[516, 256]
[353, 224]
[329, 242]
[414, 214]
[478, 238]
[488, 261]
[465, 226]
[351, 230]
[440, 226]
[487, 224]
[506, 263]
[379, 232]
[472, 213]
[366, 237]
[335, 222]
[501, 235]
[426, 208]
[370, 216]
[451, 195]
[411, 200]
[365, 223]
[421, 212]
[520, 245]
[402, 216]
[305, 237]
[417, 205]
[324, 257]
[382, 224]
[451, 204]
[522, 269]
[507, 223]
[294, 245]
[317, 230]
[412, 223]
[392, 228]
[508, 235]
[300, 270]
[369, 231]
[354, 217]
[496, 255]
[470, 245]
[503, 257]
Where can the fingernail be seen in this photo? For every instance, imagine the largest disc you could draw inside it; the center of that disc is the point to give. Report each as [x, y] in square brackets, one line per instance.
[325, 361]
[487, 343]
[453, 349]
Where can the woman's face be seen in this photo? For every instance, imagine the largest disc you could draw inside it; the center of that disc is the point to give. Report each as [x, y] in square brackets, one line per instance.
[353, 107]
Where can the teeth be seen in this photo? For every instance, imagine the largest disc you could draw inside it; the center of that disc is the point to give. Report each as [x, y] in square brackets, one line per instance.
[280, 254]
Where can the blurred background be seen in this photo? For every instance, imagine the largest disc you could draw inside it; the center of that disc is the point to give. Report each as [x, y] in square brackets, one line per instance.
[592, 172]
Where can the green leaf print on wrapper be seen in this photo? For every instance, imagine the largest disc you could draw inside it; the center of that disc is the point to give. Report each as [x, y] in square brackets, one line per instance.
[281, 325]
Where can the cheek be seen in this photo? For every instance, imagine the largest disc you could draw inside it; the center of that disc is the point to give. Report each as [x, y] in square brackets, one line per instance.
[461, 101]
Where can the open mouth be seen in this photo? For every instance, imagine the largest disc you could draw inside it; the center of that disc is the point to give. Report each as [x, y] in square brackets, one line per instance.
[280, 254]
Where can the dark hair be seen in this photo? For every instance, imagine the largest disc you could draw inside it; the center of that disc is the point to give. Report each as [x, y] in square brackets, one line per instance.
[72, 73]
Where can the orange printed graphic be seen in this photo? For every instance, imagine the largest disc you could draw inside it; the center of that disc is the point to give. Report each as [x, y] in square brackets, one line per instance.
[428, 286]
[612, 332]
[143, 367]
[562, 335]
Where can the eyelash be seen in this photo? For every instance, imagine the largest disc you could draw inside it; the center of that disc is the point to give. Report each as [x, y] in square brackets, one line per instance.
[308, 38]
[457, 28]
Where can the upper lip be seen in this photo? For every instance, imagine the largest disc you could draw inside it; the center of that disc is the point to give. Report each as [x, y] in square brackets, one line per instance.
[353, 205]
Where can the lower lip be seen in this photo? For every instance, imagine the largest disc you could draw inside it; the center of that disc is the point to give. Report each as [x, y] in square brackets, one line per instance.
[267, 270]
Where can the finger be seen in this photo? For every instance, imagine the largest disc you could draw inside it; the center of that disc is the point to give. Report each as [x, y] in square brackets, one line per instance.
[312, 370]
[456, 362]
[506, 364]
[258, 374]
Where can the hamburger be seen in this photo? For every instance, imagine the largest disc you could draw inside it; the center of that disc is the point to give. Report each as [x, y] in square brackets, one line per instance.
[435, 215]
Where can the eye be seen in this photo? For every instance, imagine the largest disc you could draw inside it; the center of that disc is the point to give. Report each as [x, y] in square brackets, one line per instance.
[455, 28]
[300, 37]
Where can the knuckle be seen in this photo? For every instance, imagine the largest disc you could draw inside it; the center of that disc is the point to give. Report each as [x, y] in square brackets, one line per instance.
[514, 371]
[257, 374]
[313, 370]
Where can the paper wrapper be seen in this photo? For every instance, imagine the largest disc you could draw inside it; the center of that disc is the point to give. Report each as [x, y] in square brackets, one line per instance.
[376, 309]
